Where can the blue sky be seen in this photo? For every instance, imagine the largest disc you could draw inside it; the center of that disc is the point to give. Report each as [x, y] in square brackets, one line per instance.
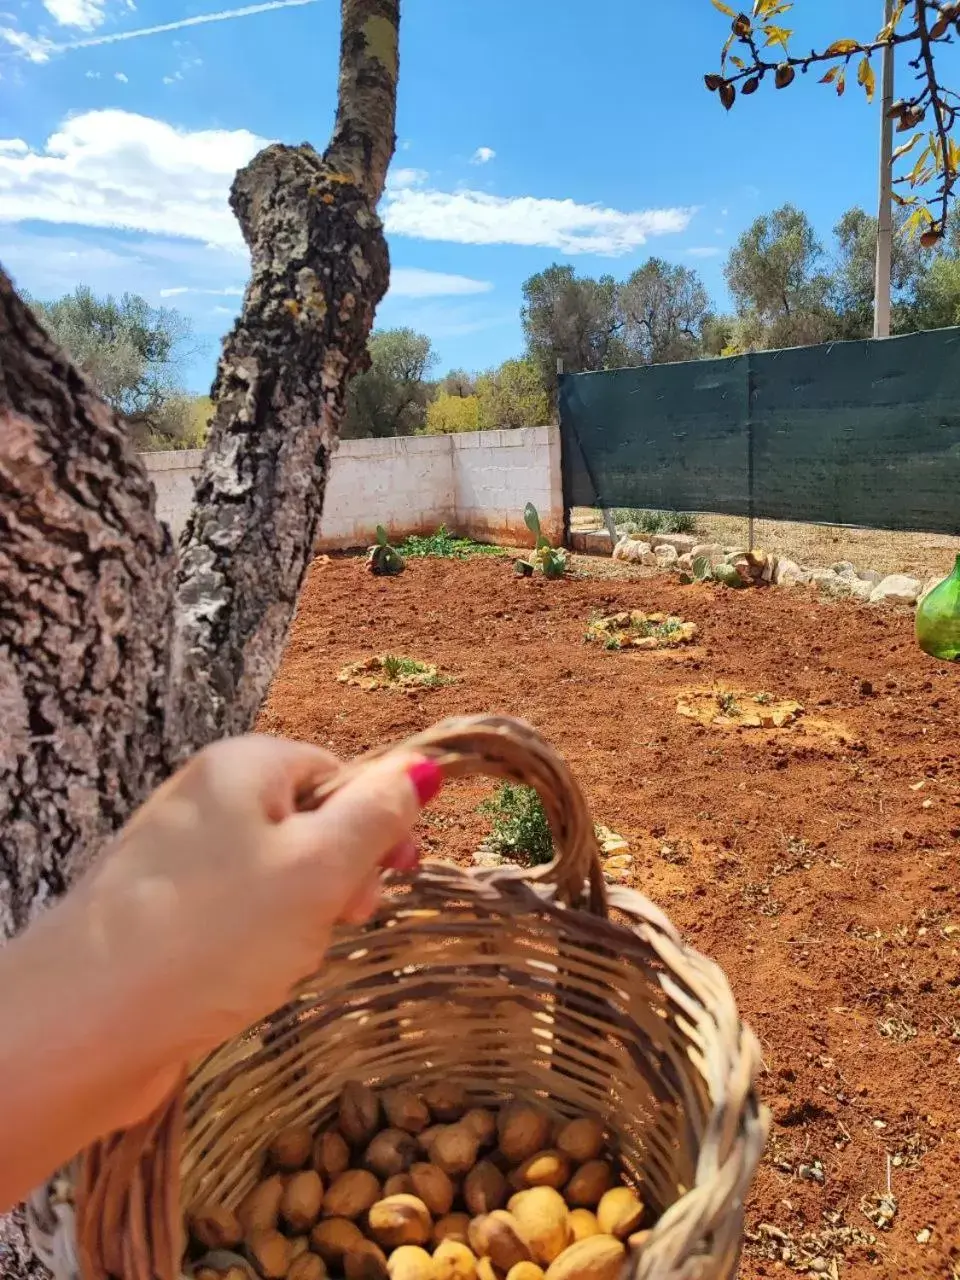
[531, 132]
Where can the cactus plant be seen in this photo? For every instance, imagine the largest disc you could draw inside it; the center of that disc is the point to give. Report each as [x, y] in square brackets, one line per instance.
[382, 559]
[552, 561]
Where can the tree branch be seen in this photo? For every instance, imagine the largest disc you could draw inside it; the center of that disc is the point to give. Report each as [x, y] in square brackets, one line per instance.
[320, 267]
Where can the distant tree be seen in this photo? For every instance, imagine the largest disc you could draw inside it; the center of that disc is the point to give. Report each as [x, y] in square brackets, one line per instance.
[448, 413]
[391, 398]
[513, 396]
[457, 383]
[663, 309]
[575, 319]
[782, 294]
[133, 354]
[922, 27]
[853, 275]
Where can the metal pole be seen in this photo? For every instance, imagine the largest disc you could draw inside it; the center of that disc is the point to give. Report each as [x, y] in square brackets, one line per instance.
[881, 299]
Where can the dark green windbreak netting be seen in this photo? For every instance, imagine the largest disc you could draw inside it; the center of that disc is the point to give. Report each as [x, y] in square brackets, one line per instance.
[858, 433]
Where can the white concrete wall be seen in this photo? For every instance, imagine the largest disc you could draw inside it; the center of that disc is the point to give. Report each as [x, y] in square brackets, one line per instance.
[476, 483]
[172, 472]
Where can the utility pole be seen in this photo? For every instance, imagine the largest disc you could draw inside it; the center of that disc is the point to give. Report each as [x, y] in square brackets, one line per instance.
[881, 291]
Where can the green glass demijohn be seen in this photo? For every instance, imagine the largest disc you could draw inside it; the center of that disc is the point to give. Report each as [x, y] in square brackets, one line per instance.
[938, 618]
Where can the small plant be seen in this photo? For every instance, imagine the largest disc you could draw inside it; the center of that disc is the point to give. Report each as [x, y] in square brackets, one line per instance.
[444, 545]
[641, 521]
[552, 561]
[392, 672]
[382, 559]
[764, 699]
[728, 704]
[520, 829]
[638, 630]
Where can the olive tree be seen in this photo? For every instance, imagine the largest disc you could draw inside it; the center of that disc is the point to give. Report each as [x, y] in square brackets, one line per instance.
[120, 654]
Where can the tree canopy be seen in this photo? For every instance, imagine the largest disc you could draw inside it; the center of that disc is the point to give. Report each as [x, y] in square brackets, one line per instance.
[390, 399]
[132, 353]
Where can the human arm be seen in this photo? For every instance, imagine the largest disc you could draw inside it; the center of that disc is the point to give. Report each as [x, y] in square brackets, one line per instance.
[211, 903]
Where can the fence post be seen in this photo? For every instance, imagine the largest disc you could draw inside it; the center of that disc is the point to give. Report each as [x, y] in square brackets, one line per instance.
[750, 498]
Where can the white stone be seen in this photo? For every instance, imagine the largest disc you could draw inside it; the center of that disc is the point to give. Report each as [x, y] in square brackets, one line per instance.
[844, 567]
[712, 550]
[788, 573]
[666, 555]
[856, 588]
[649, 559]
[898, 588]
[824, 578]
[684, 563]
[870, 575]
[681, 542]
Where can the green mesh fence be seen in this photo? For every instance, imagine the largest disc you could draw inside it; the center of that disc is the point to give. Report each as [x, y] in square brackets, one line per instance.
[855, 433]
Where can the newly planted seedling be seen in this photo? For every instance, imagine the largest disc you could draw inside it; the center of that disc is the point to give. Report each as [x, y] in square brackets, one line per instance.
[638, 630]
[551, 561]
[382, 559]
[389, 671]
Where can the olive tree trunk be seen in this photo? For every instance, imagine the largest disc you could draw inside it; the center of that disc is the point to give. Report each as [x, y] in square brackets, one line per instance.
[119, 655]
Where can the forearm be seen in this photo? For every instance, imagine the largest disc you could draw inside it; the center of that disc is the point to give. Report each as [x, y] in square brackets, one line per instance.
[70, 1069]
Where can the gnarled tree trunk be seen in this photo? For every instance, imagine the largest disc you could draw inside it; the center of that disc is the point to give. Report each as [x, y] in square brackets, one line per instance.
[119, 655]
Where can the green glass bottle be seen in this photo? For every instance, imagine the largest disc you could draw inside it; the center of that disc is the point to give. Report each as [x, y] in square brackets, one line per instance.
[938, 618]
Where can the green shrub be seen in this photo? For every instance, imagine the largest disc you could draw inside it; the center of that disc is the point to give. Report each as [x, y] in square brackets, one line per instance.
[520, 829]
[444, 545]
[654, 521]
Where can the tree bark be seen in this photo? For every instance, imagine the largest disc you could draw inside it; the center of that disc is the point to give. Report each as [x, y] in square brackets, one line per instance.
[117, 656]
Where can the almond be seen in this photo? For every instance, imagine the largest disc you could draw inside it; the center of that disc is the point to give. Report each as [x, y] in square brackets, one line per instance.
[400, 1220]
[619, 1212]
[596, 1258]
[351, 1194]
[454, 1261]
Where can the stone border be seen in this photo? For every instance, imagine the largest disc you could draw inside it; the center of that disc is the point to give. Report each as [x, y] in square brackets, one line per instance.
[683, 553]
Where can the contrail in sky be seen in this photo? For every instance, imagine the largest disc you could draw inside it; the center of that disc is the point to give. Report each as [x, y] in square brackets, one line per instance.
[38, 49]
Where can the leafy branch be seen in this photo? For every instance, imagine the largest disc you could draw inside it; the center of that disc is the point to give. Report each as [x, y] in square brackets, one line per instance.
[756, 36]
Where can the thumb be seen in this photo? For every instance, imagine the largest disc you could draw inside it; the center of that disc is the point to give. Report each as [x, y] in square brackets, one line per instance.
[342, 843]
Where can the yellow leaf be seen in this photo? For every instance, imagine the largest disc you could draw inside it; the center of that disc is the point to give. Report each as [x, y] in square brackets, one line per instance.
[907, 146]
[842, 46]
[841, 83]
[912, 224]
[724, 8]
[777, 35]
[866, 77]
[738, 62]
[725, 50]
[830, 76]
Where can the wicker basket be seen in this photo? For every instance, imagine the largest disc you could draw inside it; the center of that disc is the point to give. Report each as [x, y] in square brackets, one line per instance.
[541, 983]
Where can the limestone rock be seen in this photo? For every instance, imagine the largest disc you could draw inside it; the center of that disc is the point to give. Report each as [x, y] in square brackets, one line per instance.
[898, 588]
[665, 554]
[870, 575]
[684, 563]
[788, 573]
[681, 542]
[711, 550]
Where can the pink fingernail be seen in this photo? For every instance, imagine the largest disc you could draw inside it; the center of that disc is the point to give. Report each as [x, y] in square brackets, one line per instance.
[427, 779]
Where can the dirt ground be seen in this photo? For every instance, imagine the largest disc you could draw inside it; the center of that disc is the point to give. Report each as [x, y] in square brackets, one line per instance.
[819, 546]
[818, 866]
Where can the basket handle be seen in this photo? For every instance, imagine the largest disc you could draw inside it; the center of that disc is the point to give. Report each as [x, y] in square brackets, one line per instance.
[502, 747]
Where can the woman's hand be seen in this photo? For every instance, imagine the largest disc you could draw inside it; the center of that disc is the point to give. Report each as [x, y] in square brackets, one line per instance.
[213, 901]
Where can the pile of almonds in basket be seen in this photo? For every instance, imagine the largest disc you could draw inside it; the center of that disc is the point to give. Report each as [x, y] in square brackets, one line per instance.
[417, 1186]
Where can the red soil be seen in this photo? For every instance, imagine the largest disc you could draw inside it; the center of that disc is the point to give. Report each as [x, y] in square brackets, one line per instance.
[812, 866]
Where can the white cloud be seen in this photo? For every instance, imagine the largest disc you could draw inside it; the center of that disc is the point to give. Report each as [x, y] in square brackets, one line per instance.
[704, 251]
[119, 75]
[92, 75]
[482, 155]
[85, 14]
[475, 217]
[119, 169]
[413, 282]
[399, 178]
[39, 49]
[232, 291]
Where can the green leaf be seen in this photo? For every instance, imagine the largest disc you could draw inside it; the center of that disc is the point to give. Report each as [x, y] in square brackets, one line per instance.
[531, 519]
[724, 8]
